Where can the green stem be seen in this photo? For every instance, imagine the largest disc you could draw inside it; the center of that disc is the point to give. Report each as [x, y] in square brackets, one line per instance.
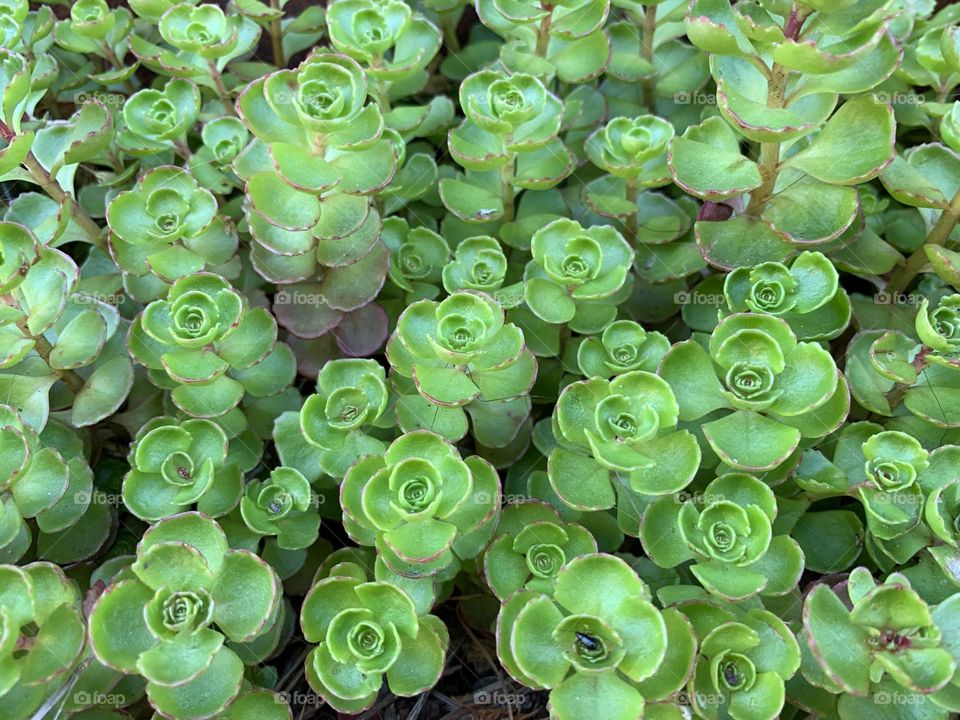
[182, 148]
[918, 259]
[649, 29]
[543, 32]
[631, 221]
[448, 24]
[117, 65]
[897, 393]
[769, 151]
[222, 91]
[52, 188]
[769, 172]
[506, 189]
[276, 37]
[69, 377]
[382, 87]
[776, 98]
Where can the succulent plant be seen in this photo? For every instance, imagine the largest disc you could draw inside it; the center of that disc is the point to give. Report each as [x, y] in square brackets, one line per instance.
[622, 336]
[367, 632]
[167, 616]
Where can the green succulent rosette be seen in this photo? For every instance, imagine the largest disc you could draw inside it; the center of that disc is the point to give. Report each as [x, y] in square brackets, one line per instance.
[577, 274]
[367, 632]
[224, 138]
[777, 390]
[350, 401]
[93, 28]
[393, 42]
[619, 435]
[174, 465]
[422, 505]
[508, 141]
[202, 29]
[321, 106]
[317, 139]
[204, 344]
[516, 109]
[531, 545]
[742, 665]
[38, 283]
[42, 635]
[11, 22]
[633, 149]
[167, 617]
[564, 41]
[590, 644]
[154, 119]
[891, 494]
[282, 506]
[460, 350]
[728, 532]
[806, 294]
[622, 347]
[866, 638]
[417, 258]
[942, 513]
[478, 264]
[939, 328]
[167, 226]
[36, 482]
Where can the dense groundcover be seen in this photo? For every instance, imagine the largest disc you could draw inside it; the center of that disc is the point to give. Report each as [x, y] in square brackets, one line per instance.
[425, 359]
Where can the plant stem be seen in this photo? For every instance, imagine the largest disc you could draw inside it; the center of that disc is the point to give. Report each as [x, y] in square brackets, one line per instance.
[631, 221]
[383, 95]
[52, 188]
[543, 32]
[769, 172]
[117, 65]
[776, 98]
[448, 24]
[69, 377]
[506, 189]
[222, 91]
[649, 28]
[897, 393]
[182, 148]
[918, 259]
[276, 37]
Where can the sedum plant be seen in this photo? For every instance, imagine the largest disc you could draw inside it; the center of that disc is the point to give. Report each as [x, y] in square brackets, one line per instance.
[589, 643]
[368, 632]
[166, 617]
[622, 336]
[619, 435]
[778, 390]
[422, 505]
